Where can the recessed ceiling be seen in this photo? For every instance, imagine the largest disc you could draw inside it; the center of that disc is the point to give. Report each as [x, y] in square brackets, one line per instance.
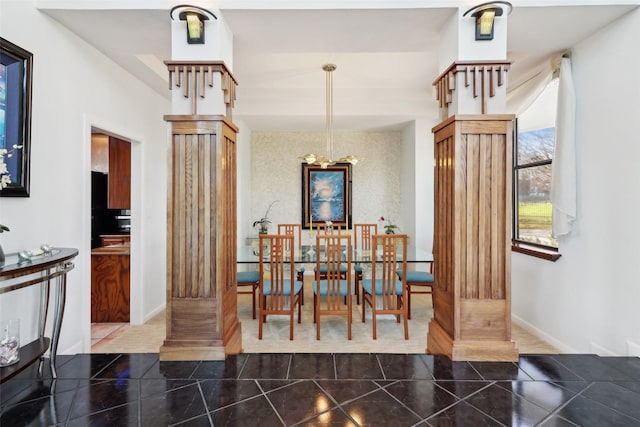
[387, 59]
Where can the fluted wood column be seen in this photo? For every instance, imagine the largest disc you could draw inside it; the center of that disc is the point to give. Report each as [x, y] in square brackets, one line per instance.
[202, 321]
[472, 237]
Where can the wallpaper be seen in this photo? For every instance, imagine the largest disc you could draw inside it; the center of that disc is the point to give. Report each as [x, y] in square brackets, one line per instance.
[276, 173]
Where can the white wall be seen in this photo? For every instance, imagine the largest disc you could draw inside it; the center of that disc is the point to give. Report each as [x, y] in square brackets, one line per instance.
[243, 182]
[589, 300]
[417, 182]
[75, 86]
[408, 182]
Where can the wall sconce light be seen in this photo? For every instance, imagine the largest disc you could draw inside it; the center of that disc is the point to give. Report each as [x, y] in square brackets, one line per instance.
[195, 17]
[485, 14]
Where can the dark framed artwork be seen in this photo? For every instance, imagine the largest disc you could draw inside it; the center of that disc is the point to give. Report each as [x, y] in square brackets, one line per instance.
[326, 195]
[15, 115]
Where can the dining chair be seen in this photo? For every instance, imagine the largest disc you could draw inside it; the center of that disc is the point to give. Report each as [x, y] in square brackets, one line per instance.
[332, 293]
[385, 293]
[279, 291]
[333, 229]
[295, 230]
[362, 246]
[249, 279]
[418, 282]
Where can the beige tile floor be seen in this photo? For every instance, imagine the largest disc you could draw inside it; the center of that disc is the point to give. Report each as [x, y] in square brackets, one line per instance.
[123, 338]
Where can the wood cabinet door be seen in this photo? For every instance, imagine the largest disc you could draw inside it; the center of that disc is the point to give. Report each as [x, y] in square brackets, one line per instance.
[110, 288]
[119, 174]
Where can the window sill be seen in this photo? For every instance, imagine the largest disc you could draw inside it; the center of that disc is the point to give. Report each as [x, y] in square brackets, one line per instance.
[535, 251]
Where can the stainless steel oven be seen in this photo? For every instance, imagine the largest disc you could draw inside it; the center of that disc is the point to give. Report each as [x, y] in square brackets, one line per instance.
[123, 222]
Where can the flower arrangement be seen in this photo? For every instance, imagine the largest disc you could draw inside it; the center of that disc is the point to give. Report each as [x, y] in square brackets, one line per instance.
[5, 178]
[264, 222]
[389, 228]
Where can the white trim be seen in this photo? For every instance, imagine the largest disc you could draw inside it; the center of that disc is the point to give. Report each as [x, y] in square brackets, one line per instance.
[562, 347]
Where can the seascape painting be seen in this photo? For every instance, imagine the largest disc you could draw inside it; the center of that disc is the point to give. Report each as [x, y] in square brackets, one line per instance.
[326, 194]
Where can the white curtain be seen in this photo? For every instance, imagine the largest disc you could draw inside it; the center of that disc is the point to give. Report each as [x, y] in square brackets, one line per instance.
[521, 97]
[563, 168]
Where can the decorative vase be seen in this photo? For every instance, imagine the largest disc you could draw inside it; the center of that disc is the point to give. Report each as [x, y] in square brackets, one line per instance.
[389, 231]
[1, 256]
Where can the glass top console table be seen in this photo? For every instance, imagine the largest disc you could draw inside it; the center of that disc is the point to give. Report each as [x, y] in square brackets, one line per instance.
[19, 272]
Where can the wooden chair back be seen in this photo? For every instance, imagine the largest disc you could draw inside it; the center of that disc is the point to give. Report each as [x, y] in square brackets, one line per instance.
[279, 292]
[362, 237]
[332, 292]
[385, 293]
[389, 257]
[294, 230]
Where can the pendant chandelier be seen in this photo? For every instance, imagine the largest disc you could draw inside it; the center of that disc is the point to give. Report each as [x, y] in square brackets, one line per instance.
[324, 161]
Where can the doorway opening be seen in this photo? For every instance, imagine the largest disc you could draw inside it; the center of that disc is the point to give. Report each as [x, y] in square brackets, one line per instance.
[110, 232]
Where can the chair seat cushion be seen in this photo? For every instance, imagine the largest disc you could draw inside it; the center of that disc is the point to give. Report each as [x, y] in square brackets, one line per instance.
[248, 276]
[323, 268]
[367, 285]
[358, 268]
[324, 288]
[417, 276]
[297, 286]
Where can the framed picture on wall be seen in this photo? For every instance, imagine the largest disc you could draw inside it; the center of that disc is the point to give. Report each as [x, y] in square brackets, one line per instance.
[15, 116]
[326, 195]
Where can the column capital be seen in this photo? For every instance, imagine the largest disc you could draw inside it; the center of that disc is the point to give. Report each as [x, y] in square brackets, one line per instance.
[472, 87]
[196, 79]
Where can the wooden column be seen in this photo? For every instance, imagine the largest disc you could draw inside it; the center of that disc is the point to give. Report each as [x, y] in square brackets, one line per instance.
[202, 321]
[472, 239]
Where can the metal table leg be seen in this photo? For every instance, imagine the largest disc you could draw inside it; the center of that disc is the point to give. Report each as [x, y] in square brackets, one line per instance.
[61, 293]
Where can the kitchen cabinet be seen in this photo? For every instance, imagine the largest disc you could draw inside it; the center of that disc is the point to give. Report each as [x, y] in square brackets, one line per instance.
[112, 156]
[119, 174]
[110, 284]
[114, 239]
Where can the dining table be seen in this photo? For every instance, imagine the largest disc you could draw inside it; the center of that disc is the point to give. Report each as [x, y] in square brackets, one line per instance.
[306, 254]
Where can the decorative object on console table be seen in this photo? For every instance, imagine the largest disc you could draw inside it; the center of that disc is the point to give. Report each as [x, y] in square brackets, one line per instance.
[9, 342]
[264, 222]
[15, 105]
[389, 228]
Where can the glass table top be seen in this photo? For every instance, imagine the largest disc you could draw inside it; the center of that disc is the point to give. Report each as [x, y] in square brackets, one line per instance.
[250, 254]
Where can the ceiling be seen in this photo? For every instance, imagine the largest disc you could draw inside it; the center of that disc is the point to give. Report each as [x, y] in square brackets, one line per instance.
[387, 59]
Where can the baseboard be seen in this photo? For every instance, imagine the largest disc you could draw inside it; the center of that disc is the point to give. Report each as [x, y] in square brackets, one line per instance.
[562, 347]
[633, 349]
[153, 313]
[73, 349]
[601, 351]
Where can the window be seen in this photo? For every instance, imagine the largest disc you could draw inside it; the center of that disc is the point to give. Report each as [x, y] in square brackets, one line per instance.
[533, 156]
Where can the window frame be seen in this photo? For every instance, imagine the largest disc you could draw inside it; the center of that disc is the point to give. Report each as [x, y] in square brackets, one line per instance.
[545, 252]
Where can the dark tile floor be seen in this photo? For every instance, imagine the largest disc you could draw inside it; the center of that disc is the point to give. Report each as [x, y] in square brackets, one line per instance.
[327, 389]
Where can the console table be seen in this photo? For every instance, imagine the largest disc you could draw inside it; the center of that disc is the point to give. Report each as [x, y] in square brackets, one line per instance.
[18, 273]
